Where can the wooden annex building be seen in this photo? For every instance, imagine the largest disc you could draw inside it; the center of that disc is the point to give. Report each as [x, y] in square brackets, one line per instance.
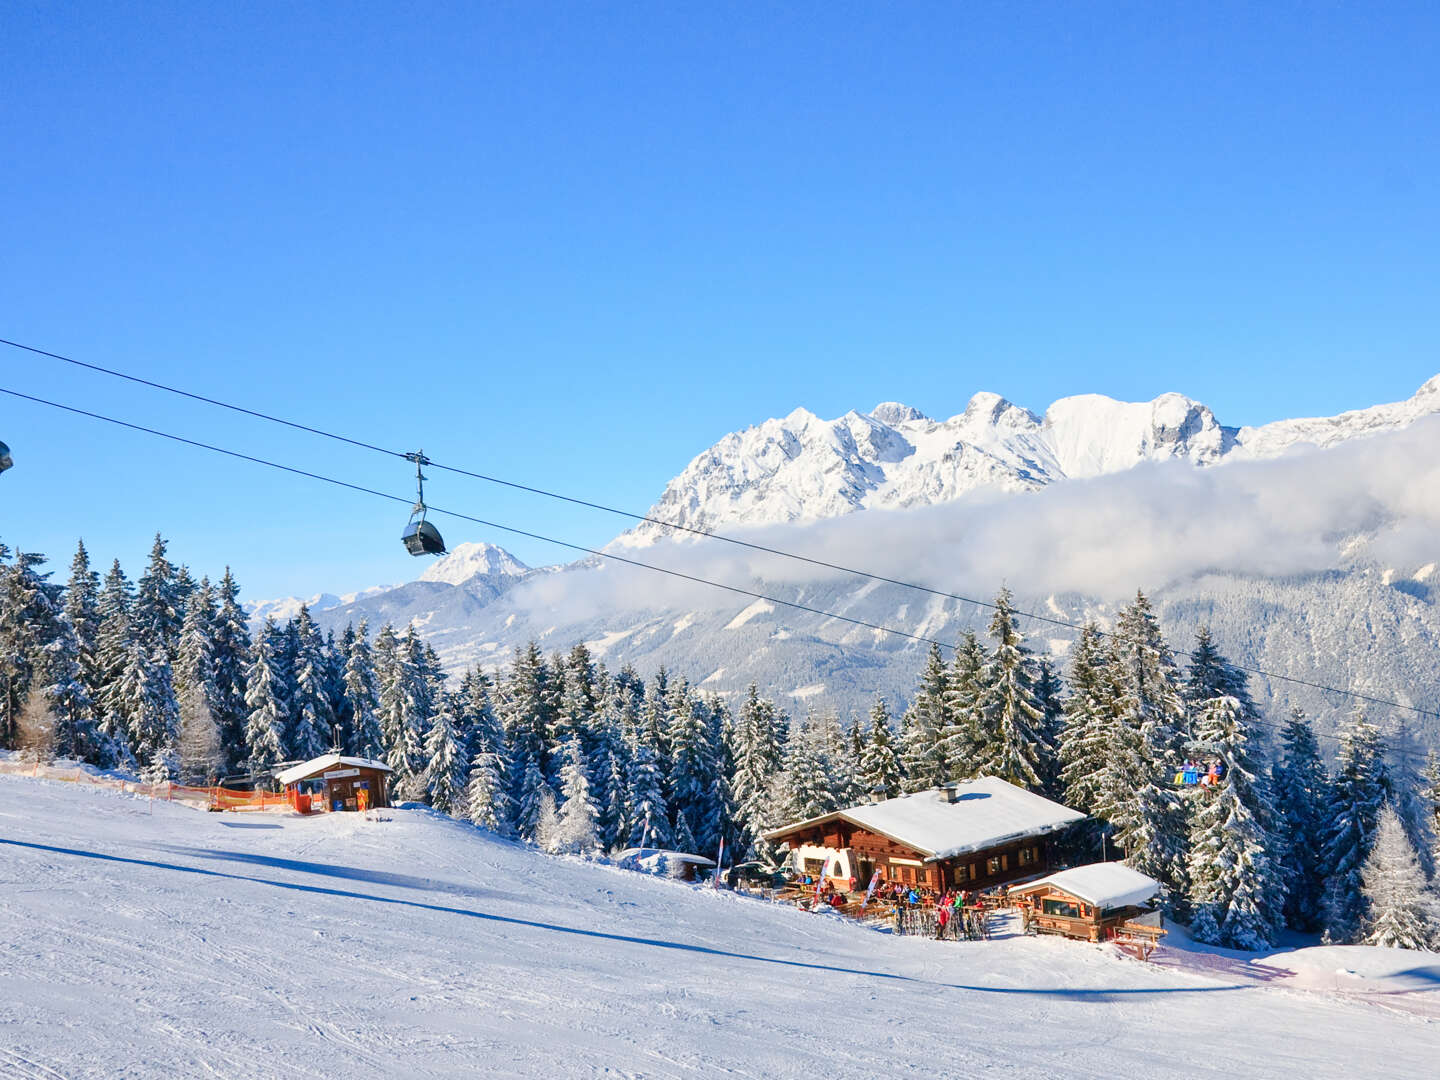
[336, 782]
[971, 835]
[1097, 902]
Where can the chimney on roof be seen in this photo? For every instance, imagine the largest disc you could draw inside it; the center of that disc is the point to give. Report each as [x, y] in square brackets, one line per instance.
[950, 792]
[877, 794]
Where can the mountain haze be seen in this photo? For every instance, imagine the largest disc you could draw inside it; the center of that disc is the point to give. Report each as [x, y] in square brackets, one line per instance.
[1309, 544]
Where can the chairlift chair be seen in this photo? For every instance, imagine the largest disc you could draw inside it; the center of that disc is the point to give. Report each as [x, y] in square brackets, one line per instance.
[420, 536]
[5, 460]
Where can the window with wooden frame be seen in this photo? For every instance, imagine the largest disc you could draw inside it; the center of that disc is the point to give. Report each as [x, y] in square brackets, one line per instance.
[992, 866]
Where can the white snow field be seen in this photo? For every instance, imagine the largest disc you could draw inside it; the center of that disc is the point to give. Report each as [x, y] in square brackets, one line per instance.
[149, 939]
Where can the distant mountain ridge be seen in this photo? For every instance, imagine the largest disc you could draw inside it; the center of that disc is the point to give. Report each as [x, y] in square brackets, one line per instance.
[802, 468]
[1362, 624]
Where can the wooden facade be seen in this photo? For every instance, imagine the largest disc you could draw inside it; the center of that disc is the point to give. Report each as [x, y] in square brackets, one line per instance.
[849, 854]
[1049, 908]
[335, 783]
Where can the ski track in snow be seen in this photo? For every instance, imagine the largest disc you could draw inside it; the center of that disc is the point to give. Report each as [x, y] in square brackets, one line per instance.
[156, 940]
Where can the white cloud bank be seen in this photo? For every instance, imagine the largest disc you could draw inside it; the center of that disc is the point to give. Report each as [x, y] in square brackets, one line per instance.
[1152, 526]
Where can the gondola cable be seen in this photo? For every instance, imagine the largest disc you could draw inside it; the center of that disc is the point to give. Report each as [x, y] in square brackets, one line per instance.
[765, 549]
[631, 562]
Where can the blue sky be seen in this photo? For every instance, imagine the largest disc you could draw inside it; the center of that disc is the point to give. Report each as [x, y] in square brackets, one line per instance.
[574, 244]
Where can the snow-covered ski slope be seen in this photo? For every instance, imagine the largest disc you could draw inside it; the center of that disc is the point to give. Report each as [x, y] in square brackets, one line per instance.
[143, 939]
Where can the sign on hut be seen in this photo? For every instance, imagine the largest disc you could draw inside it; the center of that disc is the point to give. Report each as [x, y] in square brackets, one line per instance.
[1097, 902]
[335, 782]
[972, 835]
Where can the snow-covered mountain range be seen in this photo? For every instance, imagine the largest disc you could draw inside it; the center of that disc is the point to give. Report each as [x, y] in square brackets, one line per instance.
[1354, 608]
[802, 468]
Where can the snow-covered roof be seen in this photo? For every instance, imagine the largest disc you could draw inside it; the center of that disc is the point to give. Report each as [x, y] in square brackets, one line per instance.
[641, 854]
[942, 823]
[1105, 885]
[325, 761]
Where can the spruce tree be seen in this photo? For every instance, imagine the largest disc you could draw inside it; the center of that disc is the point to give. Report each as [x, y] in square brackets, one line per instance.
[960, 739]
[445, 770]
[29, 616]
[487, 803]
[756, 750]
[152, 712]
[1352, 816]
[1148, 816]
[230, 651]
[1236, 889]
[577, 832]
[198, 696]
[1010, 717]
[66, 697]
[535, 805]
[362, 696]
[922, 727]
[1088, 735]
[879, 764]
[1403, 913]
[267, 699]
[1302, 792]
[649, 815]
[313, 729]
[82, 609]
[159, 605]
[694, 772]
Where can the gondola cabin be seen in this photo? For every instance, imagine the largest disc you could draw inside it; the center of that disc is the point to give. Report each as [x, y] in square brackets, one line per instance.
[971, 835]
[1097, 902]
[336, 782]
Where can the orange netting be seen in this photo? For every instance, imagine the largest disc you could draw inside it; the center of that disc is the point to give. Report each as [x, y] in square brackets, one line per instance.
[211, 797]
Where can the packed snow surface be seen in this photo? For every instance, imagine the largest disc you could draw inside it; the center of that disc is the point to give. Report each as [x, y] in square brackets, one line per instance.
[153, 940]
[1104, 885]
[983, 813]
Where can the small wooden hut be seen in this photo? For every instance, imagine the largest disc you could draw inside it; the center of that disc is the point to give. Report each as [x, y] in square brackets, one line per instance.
[1097, 902]
[336, 782]
[972, 835]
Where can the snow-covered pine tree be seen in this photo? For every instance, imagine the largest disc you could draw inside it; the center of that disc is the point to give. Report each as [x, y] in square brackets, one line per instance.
[1302, 793]
[82, 608]
[112, 655]
[362, 695]
[578, 700]
[648, 813]
[1088, 734]
[487, 802]
[402, 713]
[1209, 676]
[1405, 788]
[1050, 700]
[1352, 816]
[66, 698]
[1236, 889]
[1149, 818]
[446, 765]
[29, 612]
[923, 726]
[756, 751]
[577, 832]
[268, 701]
[960, 739]
[1403, 912]
[1010, 718]
[521, 708]
[198, 696]
[546, 832]
[313, 730]
[685, 836]
[530, 804]
[159, 605]
[230, 652]
[879, 764]
[154, 716]
[694, 768]
[806, 786]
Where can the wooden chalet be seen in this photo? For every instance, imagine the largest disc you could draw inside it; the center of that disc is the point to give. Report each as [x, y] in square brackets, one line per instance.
[336, 782]
[1098, 902]
[971, 835]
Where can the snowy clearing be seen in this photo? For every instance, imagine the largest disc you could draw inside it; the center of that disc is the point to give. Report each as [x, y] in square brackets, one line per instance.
[147, 939]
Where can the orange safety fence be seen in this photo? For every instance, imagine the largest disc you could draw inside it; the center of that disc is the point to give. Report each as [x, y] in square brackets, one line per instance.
[219, 798]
